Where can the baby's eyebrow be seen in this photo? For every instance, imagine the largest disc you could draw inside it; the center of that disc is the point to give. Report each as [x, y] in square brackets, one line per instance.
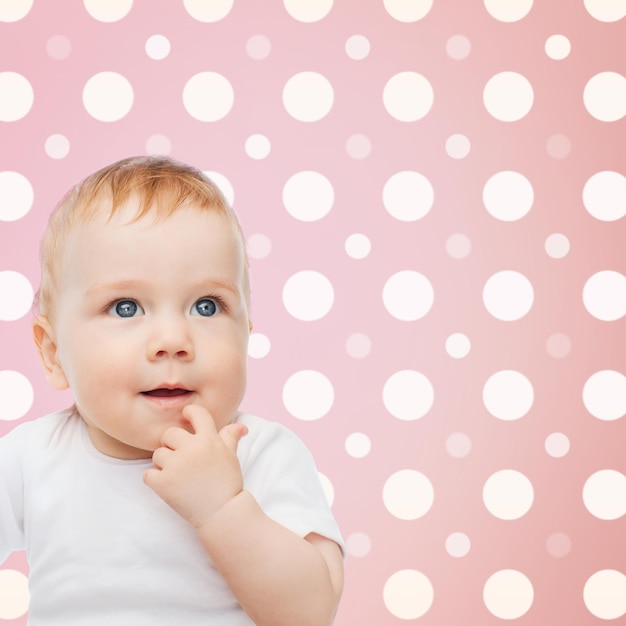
[130, 285]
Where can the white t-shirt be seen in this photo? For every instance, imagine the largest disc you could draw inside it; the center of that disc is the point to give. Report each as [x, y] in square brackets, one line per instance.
[104, 549]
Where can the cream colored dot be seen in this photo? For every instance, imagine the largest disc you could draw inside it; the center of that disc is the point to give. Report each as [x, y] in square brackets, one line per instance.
[508, 295]
[558, 345]
[508, 196]
[358, 246]
[508, 395]
[604, 395]
[557, 445]
[358, 445]
[212, 11]
[308, 196]
[408, 395]
[308, 395]
[259, 246]
[327, 486]
[16, 96]
[458, 146]
[358, 146]
[308, 295]
[408, 594]
[408, 295]
[458, 545]
[558, 545]
[16, 296]
[508, 594]
[57, 146]
[558, 146]
[408, 494]
[458, 445]
[16, 196]
[14, 10]
[605, 96]
[508, 494]
[158, 47]
[408, 96]
[606, 10]
[258, 346]
[458, 345]
[458, 47]
[408, 10]
[108, 10]
[308, 10]
[604, 494]
[258, 47]
[558, 47]
[17, 396]
[507, 11]
[14, 595]
[604, 594]
[358, 544]
[158, 144]
[357, 47]
[308, 96]
[458, 246]
[258, 146]
[604, 196]
[223, 184]
[604, 295]
[358, 345]
[208, 96]
[508, 96]
[557, 246]
[408, 196]
[108, 96]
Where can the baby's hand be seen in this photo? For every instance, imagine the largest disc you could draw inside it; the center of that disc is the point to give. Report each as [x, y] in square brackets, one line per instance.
[197, 472]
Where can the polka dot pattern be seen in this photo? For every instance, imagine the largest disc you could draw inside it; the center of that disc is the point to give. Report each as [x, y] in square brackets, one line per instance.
[434, 208]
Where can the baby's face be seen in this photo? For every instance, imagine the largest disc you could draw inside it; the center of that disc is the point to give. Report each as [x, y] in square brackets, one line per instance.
[150, 317]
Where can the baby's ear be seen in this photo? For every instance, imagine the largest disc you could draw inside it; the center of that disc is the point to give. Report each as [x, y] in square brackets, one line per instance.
[43, 334]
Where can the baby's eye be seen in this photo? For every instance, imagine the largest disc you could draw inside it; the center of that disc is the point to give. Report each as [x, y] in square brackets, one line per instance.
[125, 308]
[207, 307]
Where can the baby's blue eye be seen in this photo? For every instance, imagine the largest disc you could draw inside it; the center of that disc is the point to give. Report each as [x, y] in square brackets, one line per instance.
[207, 307]
[125, 308]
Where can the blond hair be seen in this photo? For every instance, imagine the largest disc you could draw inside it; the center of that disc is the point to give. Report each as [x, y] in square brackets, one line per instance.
[161, 185]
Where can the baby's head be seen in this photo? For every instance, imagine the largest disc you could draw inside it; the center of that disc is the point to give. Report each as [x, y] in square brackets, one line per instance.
[143, 307]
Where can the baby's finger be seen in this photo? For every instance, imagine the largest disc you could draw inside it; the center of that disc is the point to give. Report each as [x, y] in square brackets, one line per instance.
[151, 477]
[200, 419]
[231, 434]
[161, 456]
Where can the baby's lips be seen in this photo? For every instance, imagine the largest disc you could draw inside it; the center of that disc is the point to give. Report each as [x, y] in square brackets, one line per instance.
[165, 392]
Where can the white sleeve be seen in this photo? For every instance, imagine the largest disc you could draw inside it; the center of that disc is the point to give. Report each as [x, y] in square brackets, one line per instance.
[280, 473]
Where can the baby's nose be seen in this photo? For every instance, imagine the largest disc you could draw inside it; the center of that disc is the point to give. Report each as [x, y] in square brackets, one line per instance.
[171, 340]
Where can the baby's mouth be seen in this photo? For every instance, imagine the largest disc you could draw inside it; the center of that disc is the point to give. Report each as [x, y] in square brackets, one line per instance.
[163, 392]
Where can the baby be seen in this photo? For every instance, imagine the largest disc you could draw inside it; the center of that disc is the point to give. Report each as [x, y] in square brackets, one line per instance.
[153, 500]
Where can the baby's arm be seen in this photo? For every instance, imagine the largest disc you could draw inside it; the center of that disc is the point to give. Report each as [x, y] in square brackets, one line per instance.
[278, 577]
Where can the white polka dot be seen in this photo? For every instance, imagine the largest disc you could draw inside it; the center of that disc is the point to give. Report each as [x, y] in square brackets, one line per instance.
[558, 47]
[604, 196]
[458, 47]
[606, 10]
[308, 10]
[16, 197]
[14, 595]
[358, 544]
[458, 246]
[17, 395]
[212, 11]
[259, 246]
[258, 346]
[558, 345]
[604, 395]
[308, 395]
[258, 146]
[408, 494]
[508, 96]
[458, 146]
[408, 295]
[508, 196]
[458, 445]
[604, 295]
[558, 146]
[308, 295]
[557, 445]
[507, 11]
[16, 96]
[358, 246]
[558, 545]
[508, 395]
[108, 10]
[16, 295]
[605, 96]
[408, 96]
[458, 345]
[258, 47]
[308, 196]
[408, 594]
[57, 146]
[158, 47]
[358, 445]
[223, 184]
[508, 494]
[358, 345]
[108, 96]
[14, 10]
[327, 486]
[358, 146]
[508, 594]
[408, 10]
[408, 196]
[208, 96]
[58, 47]
[308, 96]
[158, 144]
[605, 594]
[458, 545]
[408, 395]
[557, 246]
[357, 47]
[604, 494]
[508, 295]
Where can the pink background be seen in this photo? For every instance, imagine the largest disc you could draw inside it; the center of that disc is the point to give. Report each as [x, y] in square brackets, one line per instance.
[558, 345]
